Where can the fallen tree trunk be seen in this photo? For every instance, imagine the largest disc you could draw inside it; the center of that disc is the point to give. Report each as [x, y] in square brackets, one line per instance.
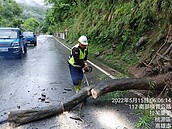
[156, 83]
[26, 116]
[77, 98]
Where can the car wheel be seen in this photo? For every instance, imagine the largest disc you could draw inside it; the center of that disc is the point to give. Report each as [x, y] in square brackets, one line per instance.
[19, 56]
[25, 49]
[35, 43]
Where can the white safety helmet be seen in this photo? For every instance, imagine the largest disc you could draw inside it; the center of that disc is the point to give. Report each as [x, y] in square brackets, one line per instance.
[83, 40]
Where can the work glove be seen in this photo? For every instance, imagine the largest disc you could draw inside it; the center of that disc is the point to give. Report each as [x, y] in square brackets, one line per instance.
[86, 68]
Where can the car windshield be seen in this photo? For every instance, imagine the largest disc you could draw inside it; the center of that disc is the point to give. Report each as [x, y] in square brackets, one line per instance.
[8, 34]
[28, 34]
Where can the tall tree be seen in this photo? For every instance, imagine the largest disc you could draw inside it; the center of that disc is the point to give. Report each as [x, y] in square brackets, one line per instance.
[60, 11]
[30, 24]
[9, 12]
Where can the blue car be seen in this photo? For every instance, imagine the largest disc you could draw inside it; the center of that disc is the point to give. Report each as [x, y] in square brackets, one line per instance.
[30, 38]
[12, 42]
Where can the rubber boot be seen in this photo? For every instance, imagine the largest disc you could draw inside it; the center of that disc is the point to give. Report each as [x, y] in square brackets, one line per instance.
[78, 87]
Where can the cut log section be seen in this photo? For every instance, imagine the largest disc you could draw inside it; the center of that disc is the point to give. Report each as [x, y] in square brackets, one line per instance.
[26, 116]
[156, 83]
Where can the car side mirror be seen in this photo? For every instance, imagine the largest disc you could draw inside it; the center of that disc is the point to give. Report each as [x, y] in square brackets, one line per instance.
[21, 36]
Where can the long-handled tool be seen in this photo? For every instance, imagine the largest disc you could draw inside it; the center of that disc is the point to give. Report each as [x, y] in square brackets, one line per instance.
[89, 71]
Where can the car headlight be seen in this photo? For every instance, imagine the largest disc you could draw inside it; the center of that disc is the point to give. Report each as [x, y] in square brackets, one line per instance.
[15, 44]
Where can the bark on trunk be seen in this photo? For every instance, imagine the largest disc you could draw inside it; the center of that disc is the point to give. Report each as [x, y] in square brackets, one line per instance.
[26, 116]
[82, 95]
[155, 83]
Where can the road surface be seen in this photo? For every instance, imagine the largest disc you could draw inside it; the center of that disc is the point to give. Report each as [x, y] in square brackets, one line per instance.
[41, 79]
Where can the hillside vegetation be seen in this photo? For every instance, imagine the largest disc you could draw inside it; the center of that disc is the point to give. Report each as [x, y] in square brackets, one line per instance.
[10, 12]
[32, 17]
[23, 16]
[122, 33]
[34, 12]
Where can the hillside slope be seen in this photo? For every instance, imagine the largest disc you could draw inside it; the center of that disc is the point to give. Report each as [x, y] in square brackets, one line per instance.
[126, 33]
[33, 11]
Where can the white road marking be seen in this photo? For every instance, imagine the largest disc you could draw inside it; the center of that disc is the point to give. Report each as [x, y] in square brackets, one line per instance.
[103, 71]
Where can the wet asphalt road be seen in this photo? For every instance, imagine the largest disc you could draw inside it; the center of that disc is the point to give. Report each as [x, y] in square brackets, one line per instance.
[44, 72]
